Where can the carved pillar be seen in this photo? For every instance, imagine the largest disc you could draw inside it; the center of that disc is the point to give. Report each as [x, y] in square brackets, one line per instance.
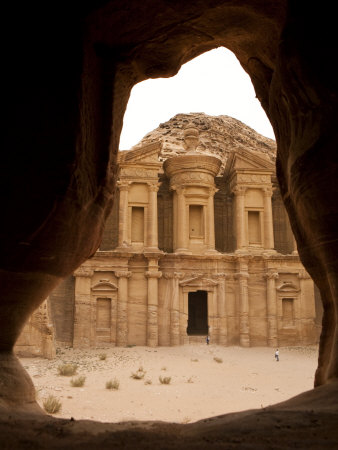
[210, 235]
[181, 222]
[222, 317]
[123, 213]
[152, 227]
[122, 308]
[244, 328]
[152, 306]
[175, 310]
[294, 245]
[83, 311]
[271, 308]
[241, 239]
[269, 242]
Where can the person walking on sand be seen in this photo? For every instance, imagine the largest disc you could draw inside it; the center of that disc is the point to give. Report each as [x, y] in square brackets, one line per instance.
[207, 339]
[277, 355]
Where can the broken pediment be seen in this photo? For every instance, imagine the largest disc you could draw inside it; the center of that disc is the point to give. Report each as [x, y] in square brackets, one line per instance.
[147, 154]
[248, 160]
[287, 287]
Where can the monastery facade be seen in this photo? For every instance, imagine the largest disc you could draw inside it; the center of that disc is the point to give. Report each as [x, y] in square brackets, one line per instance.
[189, 252]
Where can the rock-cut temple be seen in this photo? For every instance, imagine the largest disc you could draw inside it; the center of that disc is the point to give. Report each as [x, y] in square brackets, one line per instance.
[190, 249]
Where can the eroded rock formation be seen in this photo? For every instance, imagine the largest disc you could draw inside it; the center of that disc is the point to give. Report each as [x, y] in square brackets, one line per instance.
[68, 74]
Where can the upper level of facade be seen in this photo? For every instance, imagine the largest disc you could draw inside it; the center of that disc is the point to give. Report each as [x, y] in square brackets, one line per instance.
[183, 205]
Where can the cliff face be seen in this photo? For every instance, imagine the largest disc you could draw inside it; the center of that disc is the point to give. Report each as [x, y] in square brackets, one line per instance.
[219, 135]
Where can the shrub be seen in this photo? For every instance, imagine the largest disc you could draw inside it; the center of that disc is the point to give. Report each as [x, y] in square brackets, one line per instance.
[164, 380]
[67, 370]
[164, 368]
[78, 382]
[103, 356]
[190, 380]
[148, 381]
[113, 384]
[52, 405]
[218, 360]
[139, 374]
[194, 360]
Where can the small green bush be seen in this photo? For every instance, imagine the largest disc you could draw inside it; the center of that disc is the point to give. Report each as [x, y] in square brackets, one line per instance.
[52, 405]
[67, 370]
[78, 382]
[113, 384]
[164, 380]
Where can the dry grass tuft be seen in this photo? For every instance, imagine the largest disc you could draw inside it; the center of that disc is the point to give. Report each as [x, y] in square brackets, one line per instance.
[194, 360]
[139, 375]
[103, 356]
[164, 380]
[148, 381]
[113, 384]
[67, 370]
[218, 360]
[52, 405]
[78, 382]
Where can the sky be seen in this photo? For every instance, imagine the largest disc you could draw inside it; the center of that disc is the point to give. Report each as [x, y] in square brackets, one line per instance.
[213, 83]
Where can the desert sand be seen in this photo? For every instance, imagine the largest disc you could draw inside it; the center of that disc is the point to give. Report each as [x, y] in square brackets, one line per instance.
[200, 386]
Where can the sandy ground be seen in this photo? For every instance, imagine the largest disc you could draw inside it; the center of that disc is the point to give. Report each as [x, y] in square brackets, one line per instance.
[200, 386]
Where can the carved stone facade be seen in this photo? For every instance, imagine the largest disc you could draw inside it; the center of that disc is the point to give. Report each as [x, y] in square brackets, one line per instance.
[195, 255]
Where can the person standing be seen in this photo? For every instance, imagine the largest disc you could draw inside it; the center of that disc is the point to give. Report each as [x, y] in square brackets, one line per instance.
[277, 355]
[207, 339]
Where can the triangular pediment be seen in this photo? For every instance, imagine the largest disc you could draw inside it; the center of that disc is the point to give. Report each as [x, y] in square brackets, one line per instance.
[199, 282]
[250, 160]
[147, 154]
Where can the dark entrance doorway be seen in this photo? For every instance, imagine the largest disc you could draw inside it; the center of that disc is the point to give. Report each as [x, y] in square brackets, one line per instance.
[197, 313]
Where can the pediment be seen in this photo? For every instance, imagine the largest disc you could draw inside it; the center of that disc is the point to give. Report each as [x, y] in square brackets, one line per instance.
[287, 287]
[147, 154]
[104, 286]
[251, 160]
[199, 282]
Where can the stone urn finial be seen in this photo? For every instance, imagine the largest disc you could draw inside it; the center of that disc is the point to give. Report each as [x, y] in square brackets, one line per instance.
[191, 138]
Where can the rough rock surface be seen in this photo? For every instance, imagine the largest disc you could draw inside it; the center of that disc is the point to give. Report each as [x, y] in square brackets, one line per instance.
[219, 135]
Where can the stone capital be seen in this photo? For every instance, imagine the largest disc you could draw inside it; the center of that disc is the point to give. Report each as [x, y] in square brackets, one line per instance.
[239, 190]
[153, 274]
[267, 190]
[122, 274]
[271, 275]
[153, 187]
[123, 185]
[84, 272]
[303, 275]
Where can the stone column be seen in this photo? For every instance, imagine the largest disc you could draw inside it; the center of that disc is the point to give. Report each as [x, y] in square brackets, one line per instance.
[222, 321]
[122, 308]
[152, 307]
[210, 235]
[175, 310]
[294, 245]
[152, 228]
[83, 310]
[123, 213]
[269, 242]
[244, 328]
[181, 222]
[241, 238]
[271, 308]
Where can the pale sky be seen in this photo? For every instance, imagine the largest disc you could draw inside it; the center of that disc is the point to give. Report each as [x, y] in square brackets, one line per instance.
[213, 83]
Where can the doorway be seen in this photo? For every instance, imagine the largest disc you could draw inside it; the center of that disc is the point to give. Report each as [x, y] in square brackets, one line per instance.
[197, 313]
